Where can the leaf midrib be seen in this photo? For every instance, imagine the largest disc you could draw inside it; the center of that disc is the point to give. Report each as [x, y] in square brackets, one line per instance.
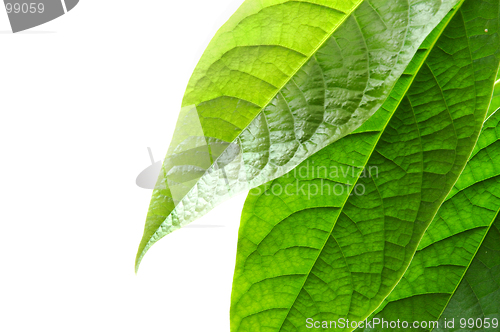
[307, 58]
[457, 8]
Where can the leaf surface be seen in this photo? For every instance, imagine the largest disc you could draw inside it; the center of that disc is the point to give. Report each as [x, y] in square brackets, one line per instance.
[456, 270]
[331, 239]
[281, 80]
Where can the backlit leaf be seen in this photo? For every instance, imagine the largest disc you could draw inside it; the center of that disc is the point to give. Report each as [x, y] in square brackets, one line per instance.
[331, 239]
[455, 273]
[279, 81]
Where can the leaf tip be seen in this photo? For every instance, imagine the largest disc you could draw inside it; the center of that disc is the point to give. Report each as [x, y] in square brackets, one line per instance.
[143, 248]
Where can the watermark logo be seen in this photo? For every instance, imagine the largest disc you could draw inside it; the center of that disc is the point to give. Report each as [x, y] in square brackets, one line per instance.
[26, 14]
[307, 180]
[310, 181]
[147, 178]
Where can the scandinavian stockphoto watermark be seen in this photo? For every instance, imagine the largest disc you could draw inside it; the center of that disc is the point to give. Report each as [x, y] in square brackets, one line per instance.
[309, 180]
[471, 323]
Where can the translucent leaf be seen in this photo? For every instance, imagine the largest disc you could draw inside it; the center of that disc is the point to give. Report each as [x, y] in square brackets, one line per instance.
[455, 273]
[331, 239]
[280, 81]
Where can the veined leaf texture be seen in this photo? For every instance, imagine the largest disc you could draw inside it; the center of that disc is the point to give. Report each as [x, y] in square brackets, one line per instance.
[322, 250]
[455, 273]
[280, 81]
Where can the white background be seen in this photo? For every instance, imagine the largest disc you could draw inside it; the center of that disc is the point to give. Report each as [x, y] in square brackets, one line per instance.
[82, 97]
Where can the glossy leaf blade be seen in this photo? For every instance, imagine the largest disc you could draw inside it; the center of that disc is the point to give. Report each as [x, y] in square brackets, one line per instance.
[322, 250]
[456, 270]
[281, 80]
[478, 295]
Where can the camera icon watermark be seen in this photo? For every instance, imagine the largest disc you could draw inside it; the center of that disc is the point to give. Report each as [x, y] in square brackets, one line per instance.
[148, 177]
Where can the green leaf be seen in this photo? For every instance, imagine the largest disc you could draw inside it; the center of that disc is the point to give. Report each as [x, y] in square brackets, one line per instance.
[478, 295]
[456, 269]
[279, 81]
[332, 239]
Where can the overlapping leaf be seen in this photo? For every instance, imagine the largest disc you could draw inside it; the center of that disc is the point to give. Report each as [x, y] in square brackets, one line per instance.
[329, 241]
[281, 80]
[455, 273]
